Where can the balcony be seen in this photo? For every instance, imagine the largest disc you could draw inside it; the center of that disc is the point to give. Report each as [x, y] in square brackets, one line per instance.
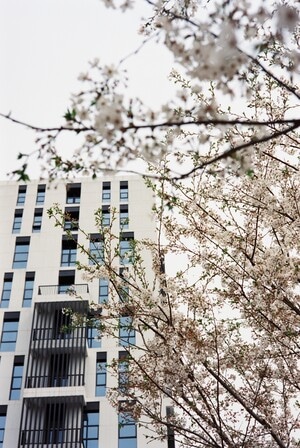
[72, 290]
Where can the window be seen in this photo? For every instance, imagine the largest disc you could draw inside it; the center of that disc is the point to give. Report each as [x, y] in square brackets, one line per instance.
[93, 337]
[16, 378]
[96, 249]
[68, 251]
[9, 332]
[59, 370]
[54, 427]
[123, 371]
[101, 375]
[124, 222]
[103, 290]
[73, 193]
[3, 411]
[91, 425]
[61, 328]
[6, 291]
[105, 215]
[71, 218]
[40, 196]
[17, 221]
[21, 252]
[106, 195]
[66, 280]
[21, 195]
[37, 220]
[28, 289]
[127, 427]
[126, 331]
[126, 247]
[124, 190]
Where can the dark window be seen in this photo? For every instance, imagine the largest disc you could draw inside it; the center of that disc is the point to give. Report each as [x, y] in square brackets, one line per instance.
[93, 336]
[127, 427]
[59, 369]
[21, 195]
[73, 193]
[96, 249]
[16, 378]
[66, 280]
[68, 251]
[126, 331]
[37, 220]
[124, 217]
[103, 290]
[71, 218]
[21, 252]
[61, 325]
[9, 332]
[28, 289]
[17, 221]
[91, 426]
[3, 411]
[54, 425]
[124, 190]
[126, 247]
[40, 196]
[123, 371]
[6, 291]
[101, 375]
[106, 195]
[105, 215]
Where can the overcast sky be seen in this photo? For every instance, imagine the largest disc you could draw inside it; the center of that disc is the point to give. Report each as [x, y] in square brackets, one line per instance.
[45, 44]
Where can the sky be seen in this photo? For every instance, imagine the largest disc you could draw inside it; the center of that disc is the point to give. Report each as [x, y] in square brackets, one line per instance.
[46, 44]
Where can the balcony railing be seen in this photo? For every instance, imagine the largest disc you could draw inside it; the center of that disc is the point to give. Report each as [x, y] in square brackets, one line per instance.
[50, 290]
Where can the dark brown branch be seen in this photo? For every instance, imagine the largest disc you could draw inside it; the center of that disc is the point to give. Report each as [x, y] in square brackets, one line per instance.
[230, 152]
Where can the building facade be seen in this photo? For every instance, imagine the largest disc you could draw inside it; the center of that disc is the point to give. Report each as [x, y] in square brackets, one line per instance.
[53, 377]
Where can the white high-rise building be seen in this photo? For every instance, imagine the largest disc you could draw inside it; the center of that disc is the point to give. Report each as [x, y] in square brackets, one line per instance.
[53, 379]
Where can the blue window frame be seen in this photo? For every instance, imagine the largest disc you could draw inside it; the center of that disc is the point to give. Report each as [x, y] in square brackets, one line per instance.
[6, 291]
[106, 194]
[100, 375]
[40, 196]
[37, 220]
[71, 218]
[124, 217]
[90, 430]
[126, 247]
[9, 332]
[3, 411]
[127, 430]
[126, 331]
[17, 221]
[73, 193]
[124, 190]
[103, 290]
[105, 216]
[93, 336]
[96, 249]
[21, 195]
[28, 289]
[16, 378]
[123, 371]
[21, 252]
[68, 251]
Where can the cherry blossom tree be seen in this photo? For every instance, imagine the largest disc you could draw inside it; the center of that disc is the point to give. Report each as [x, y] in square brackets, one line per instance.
[220, 337]
[227, 55]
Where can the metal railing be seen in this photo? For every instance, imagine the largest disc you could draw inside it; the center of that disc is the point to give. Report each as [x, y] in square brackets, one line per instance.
[63, 289]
